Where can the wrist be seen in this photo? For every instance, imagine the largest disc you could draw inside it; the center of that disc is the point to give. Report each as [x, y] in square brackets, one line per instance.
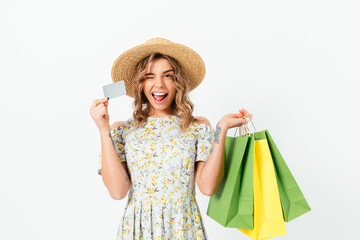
[222, 124]
[104, 131]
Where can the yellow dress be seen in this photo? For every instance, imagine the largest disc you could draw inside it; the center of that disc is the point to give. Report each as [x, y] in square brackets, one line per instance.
[161, 162]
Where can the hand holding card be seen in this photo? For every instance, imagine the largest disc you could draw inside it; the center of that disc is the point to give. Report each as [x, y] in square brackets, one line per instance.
[113, 90]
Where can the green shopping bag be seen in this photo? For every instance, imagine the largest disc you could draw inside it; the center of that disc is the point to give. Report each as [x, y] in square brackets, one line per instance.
[292, 200]
[232, 204]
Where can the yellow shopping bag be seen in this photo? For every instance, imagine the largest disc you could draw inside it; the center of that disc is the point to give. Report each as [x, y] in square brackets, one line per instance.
[268, 215]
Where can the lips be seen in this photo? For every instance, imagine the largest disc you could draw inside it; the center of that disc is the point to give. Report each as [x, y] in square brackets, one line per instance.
[159, 98]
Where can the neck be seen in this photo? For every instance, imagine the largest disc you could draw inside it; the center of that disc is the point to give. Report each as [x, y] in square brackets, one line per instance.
[160, 114]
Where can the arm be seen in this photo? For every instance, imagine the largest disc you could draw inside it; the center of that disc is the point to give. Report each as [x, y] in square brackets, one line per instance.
[114, 173]
[209, 174]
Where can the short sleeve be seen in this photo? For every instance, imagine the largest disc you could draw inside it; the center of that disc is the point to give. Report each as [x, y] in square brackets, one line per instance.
[204, 142]
[119, 145]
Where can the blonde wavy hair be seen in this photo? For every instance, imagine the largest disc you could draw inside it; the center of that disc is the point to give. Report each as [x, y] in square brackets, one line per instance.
[181, 106]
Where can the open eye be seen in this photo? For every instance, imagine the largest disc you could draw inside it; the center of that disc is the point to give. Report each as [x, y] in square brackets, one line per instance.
[168, 76]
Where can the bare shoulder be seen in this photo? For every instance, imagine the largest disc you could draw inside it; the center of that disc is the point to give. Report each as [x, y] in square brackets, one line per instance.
[117, 124]
[202, 120]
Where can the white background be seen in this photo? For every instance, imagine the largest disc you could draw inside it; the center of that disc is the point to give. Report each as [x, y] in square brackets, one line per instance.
[293, 64]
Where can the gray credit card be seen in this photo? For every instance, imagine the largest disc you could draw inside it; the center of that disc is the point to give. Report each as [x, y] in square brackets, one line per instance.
[113, 90]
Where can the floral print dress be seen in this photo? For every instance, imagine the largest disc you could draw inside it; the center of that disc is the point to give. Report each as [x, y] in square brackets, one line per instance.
[161, 162]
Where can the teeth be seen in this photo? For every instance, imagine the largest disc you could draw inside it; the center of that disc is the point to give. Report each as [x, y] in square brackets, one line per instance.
[159, 94]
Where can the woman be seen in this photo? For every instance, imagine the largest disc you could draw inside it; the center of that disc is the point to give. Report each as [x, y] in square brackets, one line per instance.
[157, 155]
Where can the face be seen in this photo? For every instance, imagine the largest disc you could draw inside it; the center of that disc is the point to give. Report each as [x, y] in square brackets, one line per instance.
[159, 87]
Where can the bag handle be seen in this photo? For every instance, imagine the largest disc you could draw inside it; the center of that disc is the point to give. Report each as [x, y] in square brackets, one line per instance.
[244, 129]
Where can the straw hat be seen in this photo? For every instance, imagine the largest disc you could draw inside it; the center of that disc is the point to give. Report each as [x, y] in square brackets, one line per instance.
[124, 66]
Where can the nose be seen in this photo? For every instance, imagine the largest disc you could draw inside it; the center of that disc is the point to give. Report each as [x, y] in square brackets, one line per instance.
[158, 81]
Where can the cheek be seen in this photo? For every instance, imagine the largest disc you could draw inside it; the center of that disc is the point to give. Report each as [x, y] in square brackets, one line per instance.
[146, 89]
[172, 88]
[173, 92]
[145, 86]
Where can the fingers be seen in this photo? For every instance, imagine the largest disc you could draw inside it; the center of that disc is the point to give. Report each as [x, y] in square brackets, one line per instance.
[244, 112]
[101, 110]
[98, 101]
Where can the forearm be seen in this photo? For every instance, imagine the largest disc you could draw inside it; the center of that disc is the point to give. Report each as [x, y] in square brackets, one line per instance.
[114, 175]
[212, 172]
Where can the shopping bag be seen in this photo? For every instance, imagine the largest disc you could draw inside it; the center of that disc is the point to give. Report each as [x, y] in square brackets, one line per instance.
[292, 199]
[268, 216]
[232, 204]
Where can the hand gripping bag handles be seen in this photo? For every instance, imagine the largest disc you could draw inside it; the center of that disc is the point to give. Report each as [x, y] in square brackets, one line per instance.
[263, 161]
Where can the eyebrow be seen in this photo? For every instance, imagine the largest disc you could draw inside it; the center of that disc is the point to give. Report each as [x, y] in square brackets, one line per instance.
[170, 70]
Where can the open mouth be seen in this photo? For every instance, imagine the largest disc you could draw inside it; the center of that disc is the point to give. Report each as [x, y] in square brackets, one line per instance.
[159, 97]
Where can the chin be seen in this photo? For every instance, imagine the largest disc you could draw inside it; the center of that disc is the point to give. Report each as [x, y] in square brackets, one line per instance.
[160, 108]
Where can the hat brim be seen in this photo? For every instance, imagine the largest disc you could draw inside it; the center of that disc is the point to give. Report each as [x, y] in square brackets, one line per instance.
[192, 64]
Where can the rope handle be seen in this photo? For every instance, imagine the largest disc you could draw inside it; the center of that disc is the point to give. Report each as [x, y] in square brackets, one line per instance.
[244, 128]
